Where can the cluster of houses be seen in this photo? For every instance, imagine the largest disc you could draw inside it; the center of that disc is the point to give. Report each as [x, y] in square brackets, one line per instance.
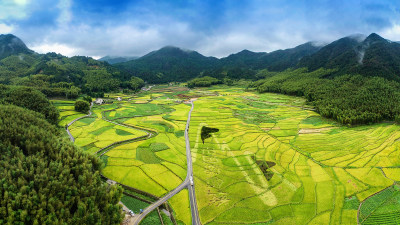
[100, 101]
[147, 88]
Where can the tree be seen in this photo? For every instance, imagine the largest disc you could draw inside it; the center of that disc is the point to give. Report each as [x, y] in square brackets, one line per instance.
[31, 99]
[203, 82]
[100, 81]
[82, 106]
[87, 98]
[73, 92]
[136, 83]
[46, 179]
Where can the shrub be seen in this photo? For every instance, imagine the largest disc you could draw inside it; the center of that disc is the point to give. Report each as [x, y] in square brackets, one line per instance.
[82, 106]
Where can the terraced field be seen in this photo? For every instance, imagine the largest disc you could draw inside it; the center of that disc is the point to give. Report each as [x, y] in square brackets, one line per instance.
[272, 161]
[67, 111]
[275, 161]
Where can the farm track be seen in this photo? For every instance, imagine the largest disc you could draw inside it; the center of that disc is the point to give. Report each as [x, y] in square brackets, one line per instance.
[73, 121]
[149, 134]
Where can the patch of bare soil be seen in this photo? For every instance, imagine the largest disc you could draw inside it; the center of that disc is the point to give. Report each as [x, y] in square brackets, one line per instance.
[313, 131]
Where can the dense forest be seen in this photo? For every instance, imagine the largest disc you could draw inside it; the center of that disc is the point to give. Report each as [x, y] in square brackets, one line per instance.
[203, 82]
[349, 99]
[45, 178]
[170, 64]
[59, 76]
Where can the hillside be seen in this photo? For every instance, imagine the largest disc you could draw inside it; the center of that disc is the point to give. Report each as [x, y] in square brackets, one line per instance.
[169, 64]
[117, 59]
[274, 61]
[373, 56]
[12, 45]
[57, 75]
[174, 64]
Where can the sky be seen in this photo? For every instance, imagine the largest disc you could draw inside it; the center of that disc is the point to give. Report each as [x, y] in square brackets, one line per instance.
[212, 27]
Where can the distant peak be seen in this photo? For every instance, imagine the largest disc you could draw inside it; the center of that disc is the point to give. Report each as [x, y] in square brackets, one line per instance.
[174, 48]
[316, 43]
[374, 38]
[358, 37]
[170, 47]
[7, 35]
[12, 45]
[245, 52]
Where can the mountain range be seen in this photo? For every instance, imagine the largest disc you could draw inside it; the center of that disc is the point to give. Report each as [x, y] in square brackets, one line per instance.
[117, 59]
[368, 56]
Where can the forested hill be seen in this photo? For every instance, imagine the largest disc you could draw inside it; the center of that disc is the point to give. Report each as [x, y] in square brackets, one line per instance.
[175, 64]
[373, 56]
[117, 59]
[274, 61]
[169, 64]
[357, 54]
[12, 45]
[56, 75]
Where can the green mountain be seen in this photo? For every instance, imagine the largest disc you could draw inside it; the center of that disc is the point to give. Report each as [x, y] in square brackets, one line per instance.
[12, 45]
[169, 64]
[243, 59]
[174, 64]
[55, 74]
[373, 56]
[274, 61]
[117, 59]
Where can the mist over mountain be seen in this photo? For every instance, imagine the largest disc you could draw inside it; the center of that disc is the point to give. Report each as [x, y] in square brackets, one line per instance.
[373, 56]
[117, 59]
[12, 45]
[274, 61]
[175, 64]
[357, 54]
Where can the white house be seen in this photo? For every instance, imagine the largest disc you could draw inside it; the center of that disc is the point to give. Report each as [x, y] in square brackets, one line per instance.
[99, 101]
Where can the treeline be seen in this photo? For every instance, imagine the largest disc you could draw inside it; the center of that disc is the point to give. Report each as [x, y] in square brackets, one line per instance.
[203, 82]
[349, 99]
[59, 76]
[45, 178]
[29, 98]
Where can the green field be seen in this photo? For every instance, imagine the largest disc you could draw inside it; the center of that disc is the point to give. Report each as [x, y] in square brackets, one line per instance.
[273, 160]
[67, 111]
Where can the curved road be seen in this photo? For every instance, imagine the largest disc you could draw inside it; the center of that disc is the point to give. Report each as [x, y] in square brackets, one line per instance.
[73, 121]
[185, 184]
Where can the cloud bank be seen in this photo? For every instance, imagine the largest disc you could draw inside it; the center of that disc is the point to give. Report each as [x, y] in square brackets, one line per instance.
[214, 28]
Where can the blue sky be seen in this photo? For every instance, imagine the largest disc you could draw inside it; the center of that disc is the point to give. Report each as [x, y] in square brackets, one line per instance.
[212, 27]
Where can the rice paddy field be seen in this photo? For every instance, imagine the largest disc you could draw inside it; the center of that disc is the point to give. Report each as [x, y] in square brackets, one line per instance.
[67, 111]
[273, 159]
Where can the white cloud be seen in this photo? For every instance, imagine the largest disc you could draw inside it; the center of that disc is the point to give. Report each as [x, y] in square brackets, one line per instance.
[5, 29]
[65, 14]
[21, 2]
[392, 33]
[121, 40]
[13, 9]
[55, 47]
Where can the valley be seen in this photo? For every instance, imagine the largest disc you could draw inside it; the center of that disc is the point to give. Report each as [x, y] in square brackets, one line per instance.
[273, 159]
[199, 112]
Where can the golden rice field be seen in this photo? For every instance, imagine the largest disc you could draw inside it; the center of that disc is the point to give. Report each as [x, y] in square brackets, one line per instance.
[273, 160]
